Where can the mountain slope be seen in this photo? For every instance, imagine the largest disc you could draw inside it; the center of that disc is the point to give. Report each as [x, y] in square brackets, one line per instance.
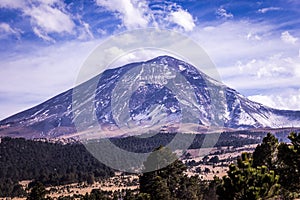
[213, 104]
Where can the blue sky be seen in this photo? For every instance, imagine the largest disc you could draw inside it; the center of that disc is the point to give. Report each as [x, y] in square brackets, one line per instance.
[254, 44]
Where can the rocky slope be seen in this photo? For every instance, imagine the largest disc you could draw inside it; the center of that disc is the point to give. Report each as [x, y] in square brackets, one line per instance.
[153, 103]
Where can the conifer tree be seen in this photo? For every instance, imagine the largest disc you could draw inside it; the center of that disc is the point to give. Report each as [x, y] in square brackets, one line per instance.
[246, 182]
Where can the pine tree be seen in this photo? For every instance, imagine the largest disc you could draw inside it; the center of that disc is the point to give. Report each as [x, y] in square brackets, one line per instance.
[38, 192]
[265, 153]
[246, 182]
[168, 182]
[289, 164]
[161, 157]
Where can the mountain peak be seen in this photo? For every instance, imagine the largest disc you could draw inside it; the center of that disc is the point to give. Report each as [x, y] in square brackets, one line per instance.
[165, 56]
[149, 105]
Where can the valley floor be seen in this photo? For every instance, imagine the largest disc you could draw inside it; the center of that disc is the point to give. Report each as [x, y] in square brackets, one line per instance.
[206, 167]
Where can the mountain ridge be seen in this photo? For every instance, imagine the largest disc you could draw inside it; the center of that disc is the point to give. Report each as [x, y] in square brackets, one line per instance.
[149, 104]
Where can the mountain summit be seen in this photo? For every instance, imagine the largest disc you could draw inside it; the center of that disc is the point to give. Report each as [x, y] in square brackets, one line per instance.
[152, 101]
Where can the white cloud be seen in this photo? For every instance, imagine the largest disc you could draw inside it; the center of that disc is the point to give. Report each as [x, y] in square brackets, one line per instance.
[248, 55]
[276, 71]
[85, 31]
[288, 38]
[14, 4]
[50, 71]
[6, 29]
[265, 100]
[276, 66]
[228, 42]
[183, 18]
[252, 36]
[132, 13]
[251, 65]
[50, 2]
[264, 10]
[37, 74]
[137, 14]
[287, 100]
[223, 13]
[42, 35]
[46, 16]
[49, 19]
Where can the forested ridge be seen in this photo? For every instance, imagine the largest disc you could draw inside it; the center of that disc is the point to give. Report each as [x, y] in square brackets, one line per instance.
[272, 171]
[58, 164]
[149, 143]
[49, 163]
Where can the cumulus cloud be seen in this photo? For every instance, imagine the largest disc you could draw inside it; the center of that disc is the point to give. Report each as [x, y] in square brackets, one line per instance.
[265, 10]
[46, 17]
[249, 64]
[221, 12]
[288, 38]
[275, 66]
[6, 30]
[287, 100]
[230, 41]
[138, 14]
[50, 19]
[252, 36]
[50, 71]
[183, 18]
[276, 71]
[13, 4]
[132, 13]
[249, 55]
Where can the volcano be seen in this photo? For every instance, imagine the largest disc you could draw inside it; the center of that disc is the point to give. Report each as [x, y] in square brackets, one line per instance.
[154, 103]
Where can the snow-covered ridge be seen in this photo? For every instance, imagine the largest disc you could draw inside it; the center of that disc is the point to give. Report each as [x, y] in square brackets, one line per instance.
[149, 105]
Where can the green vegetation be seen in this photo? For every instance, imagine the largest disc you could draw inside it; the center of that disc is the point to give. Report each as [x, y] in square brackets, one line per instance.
[169, 182]
[288, 166]
[48, 163]
[246, 182]
[149, 144]
[266, 152]
[38, 192]
[271, 172]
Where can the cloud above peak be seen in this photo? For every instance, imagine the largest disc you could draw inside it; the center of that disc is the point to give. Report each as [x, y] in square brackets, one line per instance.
[221, 12]
[288, 38]
[46, 16]
[133, 14]
[48, 19]
[183, 18]
[12, 4]
[138, 14]
[265, 10]
[253, 48]
[287, 100]
[6, 30]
